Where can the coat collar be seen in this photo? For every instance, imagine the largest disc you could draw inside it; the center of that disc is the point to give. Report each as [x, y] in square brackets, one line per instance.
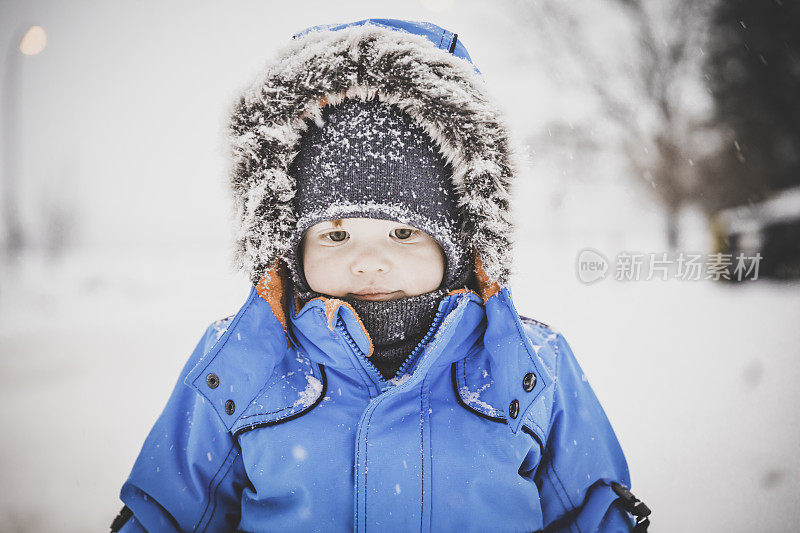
[256, 341]
[321, 328]
[512, 355]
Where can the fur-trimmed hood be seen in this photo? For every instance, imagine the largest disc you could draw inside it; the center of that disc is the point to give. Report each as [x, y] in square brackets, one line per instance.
[417, 72]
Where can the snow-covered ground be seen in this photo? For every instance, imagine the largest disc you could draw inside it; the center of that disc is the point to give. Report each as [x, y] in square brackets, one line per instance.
[700, 382]
[119, 123]
[91, 348]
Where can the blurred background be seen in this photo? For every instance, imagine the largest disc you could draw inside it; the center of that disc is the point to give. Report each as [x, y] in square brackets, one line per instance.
[667, 127]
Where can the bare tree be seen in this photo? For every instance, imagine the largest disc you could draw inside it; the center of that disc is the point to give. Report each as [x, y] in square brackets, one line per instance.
[647, 80]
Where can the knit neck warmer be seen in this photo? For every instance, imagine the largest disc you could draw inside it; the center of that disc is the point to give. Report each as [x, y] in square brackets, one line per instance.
[396, 327]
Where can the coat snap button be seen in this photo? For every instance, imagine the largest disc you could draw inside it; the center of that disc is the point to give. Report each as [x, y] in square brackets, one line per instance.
[529, 381]
[230, 407]
[212, 380]
[513, 409]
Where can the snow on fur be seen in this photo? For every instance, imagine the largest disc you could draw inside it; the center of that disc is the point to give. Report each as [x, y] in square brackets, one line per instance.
[441, 92]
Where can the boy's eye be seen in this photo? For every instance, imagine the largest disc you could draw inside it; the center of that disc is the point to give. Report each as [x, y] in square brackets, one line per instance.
[403, 233]
[337, 236]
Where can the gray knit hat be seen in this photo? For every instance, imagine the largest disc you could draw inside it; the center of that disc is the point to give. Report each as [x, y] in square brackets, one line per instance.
[369, 159]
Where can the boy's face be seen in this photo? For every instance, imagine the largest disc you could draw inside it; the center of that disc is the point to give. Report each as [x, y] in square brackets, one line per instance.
[371, 259]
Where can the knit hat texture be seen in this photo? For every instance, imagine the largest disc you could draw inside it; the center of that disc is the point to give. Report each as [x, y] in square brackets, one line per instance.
[369, 159]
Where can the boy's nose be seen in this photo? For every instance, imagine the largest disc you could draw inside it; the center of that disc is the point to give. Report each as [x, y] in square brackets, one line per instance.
[369, 262]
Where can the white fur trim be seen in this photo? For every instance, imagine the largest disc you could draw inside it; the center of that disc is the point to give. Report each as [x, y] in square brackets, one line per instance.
[439, 91]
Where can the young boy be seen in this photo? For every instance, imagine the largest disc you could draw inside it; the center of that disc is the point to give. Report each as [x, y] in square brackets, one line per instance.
[378, 377]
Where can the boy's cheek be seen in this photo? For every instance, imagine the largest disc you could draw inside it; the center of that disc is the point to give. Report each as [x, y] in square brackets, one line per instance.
[326, 277]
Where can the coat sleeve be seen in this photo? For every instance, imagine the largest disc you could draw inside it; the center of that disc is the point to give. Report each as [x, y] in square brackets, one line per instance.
[189, 473]
[582, 461]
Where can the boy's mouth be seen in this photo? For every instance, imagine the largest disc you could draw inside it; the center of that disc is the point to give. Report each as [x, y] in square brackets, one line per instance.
[375, 295]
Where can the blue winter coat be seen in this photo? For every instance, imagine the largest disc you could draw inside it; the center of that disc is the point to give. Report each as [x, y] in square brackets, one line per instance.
[279, 422]
[261, 436]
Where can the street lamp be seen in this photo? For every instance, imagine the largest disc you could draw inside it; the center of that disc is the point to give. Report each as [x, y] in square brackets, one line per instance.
[31, 43]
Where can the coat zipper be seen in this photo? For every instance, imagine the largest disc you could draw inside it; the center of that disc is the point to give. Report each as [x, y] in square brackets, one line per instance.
[411, 359]
[383, 383]
[372, 370]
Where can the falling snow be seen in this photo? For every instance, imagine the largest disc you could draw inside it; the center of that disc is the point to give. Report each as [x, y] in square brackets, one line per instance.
[299, 453]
